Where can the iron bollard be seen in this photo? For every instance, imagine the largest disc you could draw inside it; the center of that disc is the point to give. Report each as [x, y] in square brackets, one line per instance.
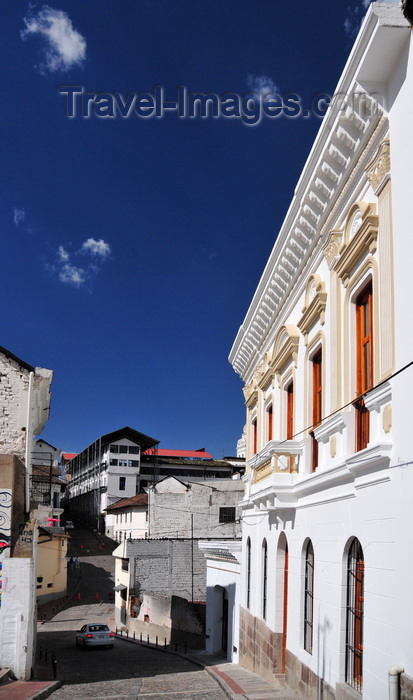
[54, 665]
[140, 637]
[127, 633]
[133, 635]
[176, 646]
[121, 632]
[164, 644]
[156, 641]
[148, 638]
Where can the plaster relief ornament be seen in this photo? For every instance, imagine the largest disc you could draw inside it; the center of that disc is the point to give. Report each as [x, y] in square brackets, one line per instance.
[379, 166]
[332, 247]
[356, 223]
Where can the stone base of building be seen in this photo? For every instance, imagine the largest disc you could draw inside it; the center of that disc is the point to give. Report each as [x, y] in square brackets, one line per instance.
[305, 682]
[406, 687]
[309, 686]
[260, 649]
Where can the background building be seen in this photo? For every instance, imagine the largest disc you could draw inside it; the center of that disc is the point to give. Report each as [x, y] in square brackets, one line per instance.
[161, 580]
[105, 472]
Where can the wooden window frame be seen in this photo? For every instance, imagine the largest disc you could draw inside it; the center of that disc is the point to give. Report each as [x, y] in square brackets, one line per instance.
[269, 423]
[254, 436]
[364, 363]
[289, 390]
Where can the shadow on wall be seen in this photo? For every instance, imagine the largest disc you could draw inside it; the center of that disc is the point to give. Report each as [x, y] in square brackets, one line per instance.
[187, 623]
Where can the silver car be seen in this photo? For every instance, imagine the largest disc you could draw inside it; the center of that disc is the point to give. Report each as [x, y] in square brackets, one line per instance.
[95, 634]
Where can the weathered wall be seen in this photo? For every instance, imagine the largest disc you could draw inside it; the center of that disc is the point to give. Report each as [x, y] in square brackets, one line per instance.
[17, 617]
[14, 384]
[406, 687]
[12, 475]
[169, 567]
[179, 509]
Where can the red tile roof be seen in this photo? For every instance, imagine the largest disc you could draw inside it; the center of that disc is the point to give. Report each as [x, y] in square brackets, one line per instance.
[187, 454]
[141, 499]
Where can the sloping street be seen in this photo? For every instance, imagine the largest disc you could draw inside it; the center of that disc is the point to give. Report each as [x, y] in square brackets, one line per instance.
[126, 671]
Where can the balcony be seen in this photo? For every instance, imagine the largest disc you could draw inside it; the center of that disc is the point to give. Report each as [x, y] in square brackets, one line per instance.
[277, 457]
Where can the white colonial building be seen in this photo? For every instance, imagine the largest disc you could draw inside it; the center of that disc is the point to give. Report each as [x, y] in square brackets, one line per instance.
[325, 352]
[105, 472]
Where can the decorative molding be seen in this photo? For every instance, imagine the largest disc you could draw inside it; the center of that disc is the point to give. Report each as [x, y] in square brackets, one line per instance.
[364, 241]
[287, 349]
[332, 246]
[315, 308]
[378, 397]
[379, 167]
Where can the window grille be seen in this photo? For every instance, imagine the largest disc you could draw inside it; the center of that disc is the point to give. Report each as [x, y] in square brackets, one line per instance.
[264, 579]
[248, 572]
[309, 598]
[355, 611]
[227, 515]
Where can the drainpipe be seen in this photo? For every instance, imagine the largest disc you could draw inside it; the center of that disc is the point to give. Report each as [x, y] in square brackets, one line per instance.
[394, 681]
[28, 455]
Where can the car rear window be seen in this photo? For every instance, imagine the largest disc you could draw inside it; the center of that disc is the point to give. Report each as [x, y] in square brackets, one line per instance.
[98, 628]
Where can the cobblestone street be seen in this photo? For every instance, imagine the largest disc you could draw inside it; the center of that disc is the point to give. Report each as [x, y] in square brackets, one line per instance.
[126, 671]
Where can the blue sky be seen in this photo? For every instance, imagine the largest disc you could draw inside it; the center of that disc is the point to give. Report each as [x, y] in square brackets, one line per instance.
[132, 246]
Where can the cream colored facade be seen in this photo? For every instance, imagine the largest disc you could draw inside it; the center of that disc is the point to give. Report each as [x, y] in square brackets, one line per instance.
[324, 350]
[51, 575]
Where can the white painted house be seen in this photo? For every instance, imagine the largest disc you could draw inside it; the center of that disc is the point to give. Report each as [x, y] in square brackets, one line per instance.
[325, 353]
[127, 519]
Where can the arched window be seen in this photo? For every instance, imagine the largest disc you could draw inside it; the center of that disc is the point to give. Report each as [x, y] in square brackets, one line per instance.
[264, 579]
[355, 610]
[248, 601]
[308, 597]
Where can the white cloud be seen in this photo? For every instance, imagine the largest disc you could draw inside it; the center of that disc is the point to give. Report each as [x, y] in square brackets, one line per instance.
[18, 216]
[261, 84]
[80, 275]
[99, 248]
[64, 46]
[69, 274]
[62, 254]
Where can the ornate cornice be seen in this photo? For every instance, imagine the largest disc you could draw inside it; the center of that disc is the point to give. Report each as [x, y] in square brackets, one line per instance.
[339, 148]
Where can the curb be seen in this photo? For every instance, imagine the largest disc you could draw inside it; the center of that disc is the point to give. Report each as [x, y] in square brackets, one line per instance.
[54, 685]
